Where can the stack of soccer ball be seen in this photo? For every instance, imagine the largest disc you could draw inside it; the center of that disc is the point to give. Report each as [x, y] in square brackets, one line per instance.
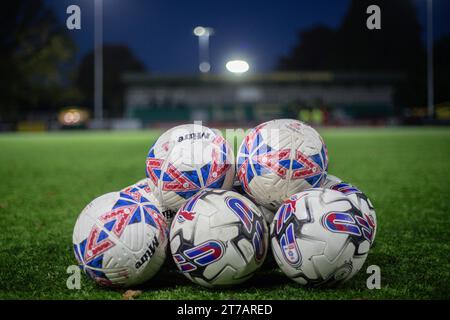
[321, 229]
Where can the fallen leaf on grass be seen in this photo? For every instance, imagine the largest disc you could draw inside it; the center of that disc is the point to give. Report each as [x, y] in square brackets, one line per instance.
[131, 294]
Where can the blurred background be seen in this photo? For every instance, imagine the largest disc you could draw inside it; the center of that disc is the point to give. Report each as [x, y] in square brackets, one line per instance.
[126, 65]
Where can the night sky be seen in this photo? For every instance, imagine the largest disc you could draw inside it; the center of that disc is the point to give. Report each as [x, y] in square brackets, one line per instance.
[160, 31]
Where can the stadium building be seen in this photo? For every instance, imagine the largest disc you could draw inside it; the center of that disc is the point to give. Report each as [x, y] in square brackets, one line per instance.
[321, 97]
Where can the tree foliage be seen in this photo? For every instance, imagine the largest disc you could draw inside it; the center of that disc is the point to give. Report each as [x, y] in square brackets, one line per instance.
[34, 48]
[117, 59]
[442, 69]
[396, 47]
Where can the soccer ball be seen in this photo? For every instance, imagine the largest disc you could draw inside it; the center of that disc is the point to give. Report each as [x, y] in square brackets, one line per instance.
[218, 238]
[141, 188]
[321, 237]
[280, 158]
[185, 160]
[120, 240]
[356, 195]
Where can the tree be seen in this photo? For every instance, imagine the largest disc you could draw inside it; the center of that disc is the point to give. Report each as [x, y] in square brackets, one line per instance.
[314, 50]
[397, 47]
[34, 47]
[117, 59]
[442, 69]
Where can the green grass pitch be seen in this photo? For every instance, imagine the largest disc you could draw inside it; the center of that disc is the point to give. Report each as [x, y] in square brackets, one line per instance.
[47, 179]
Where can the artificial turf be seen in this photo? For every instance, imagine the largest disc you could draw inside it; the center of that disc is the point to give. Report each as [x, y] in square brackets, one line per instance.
[46, 180]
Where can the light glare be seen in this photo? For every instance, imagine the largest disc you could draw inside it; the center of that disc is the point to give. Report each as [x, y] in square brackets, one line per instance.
[199, 31]
[204, 67]
[237, 66]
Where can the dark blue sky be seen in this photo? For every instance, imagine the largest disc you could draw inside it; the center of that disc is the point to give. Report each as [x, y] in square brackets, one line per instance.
[160, 31]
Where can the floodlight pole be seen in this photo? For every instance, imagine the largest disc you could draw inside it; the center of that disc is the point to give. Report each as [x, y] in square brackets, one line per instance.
[98, 60]
[203, 51]
[430, 74]
[203, 34]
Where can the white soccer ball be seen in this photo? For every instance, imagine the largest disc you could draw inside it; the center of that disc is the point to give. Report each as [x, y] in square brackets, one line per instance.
[356, 195]
[120, 240]
[218, 238]
[141, 188]
[321, 237]
[185, 160]
[280, 158]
